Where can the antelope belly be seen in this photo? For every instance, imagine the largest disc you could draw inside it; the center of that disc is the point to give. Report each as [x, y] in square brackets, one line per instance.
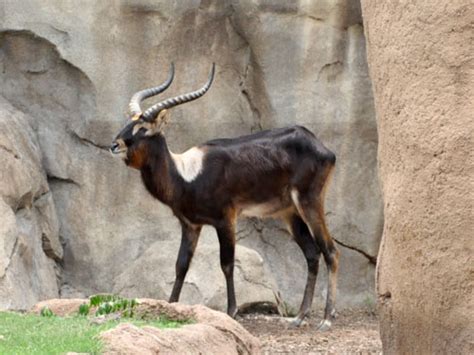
[266, 209]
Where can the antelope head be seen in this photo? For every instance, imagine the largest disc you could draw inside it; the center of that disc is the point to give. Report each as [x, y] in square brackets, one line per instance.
[130, 143]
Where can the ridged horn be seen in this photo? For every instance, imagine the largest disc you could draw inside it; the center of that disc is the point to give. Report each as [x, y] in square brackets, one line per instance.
[151, 113]
[134, 105]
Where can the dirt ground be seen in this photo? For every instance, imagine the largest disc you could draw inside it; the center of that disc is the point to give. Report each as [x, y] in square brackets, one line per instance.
[353, 332]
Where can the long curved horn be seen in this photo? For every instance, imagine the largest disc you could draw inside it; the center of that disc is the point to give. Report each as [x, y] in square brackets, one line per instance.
[151, 113]
[134, 105]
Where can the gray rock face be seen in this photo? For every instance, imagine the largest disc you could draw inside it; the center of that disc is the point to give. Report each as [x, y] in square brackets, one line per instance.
[29, 239]
[73, 69]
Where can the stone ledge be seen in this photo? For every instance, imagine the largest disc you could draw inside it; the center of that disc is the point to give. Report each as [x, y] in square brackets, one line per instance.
[213, 333]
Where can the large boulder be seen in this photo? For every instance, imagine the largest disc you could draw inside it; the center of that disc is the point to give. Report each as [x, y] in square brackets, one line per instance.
[251, 278]
[212, 333]
[74, 69]
[421, 62]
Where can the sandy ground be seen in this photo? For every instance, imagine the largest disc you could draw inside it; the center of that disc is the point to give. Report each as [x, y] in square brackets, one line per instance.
[353, 332]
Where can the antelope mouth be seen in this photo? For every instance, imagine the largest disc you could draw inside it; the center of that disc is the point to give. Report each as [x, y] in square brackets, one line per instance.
[117, 149]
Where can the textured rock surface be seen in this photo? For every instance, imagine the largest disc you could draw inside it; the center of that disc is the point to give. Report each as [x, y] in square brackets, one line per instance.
[278, 64]
[29, 240]
[250, 276]
[213, 333]
[421, 63]
[60, 307]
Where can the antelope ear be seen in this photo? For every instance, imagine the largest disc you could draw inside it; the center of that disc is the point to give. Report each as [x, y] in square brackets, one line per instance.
[163, 117]
[158, 123]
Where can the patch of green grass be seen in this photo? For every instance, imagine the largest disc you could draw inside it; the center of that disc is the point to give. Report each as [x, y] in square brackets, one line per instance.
[32, 334]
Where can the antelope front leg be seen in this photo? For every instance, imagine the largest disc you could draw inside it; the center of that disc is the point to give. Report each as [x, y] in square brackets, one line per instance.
[227, 250]
[189, 239]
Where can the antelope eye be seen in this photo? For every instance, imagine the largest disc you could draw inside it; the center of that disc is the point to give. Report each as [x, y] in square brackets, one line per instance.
[128, 142]
[138, 129]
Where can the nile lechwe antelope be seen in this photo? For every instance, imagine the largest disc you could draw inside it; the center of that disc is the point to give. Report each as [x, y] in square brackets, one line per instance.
[281, 173]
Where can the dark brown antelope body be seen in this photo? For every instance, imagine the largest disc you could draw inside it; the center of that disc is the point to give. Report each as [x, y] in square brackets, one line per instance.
[280, 173]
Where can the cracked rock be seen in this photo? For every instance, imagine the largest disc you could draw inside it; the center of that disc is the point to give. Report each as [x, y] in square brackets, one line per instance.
[29, 241]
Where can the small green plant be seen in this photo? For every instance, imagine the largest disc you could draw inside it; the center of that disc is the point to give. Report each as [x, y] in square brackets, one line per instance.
[107, 304]
[84, 309]
[96, 300]
[46, 312]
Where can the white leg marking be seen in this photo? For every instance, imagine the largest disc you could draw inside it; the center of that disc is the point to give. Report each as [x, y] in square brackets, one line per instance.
[295, 197]
[189, 164]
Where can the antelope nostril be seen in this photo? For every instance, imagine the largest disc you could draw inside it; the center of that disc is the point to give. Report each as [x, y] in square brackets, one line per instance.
[114, 146]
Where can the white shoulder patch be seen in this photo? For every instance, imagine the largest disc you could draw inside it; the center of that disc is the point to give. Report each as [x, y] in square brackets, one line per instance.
[189, 164]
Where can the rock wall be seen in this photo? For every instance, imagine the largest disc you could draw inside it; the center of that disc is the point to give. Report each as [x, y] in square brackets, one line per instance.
[29, 239]
[72, 68]
[421, 62]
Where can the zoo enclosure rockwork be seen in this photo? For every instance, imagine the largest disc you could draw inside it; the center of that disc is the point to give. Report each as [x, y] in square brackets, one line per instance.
[81, 218]
[421, 63]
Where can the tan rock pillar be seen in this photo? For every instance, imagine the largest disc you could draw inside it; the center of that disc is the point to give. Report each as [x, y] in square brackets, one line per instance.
[420, 57]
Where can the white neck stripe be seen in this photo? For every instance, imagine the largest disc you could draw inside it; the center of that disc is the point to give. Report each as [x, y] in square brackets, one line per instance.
[189, 163]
